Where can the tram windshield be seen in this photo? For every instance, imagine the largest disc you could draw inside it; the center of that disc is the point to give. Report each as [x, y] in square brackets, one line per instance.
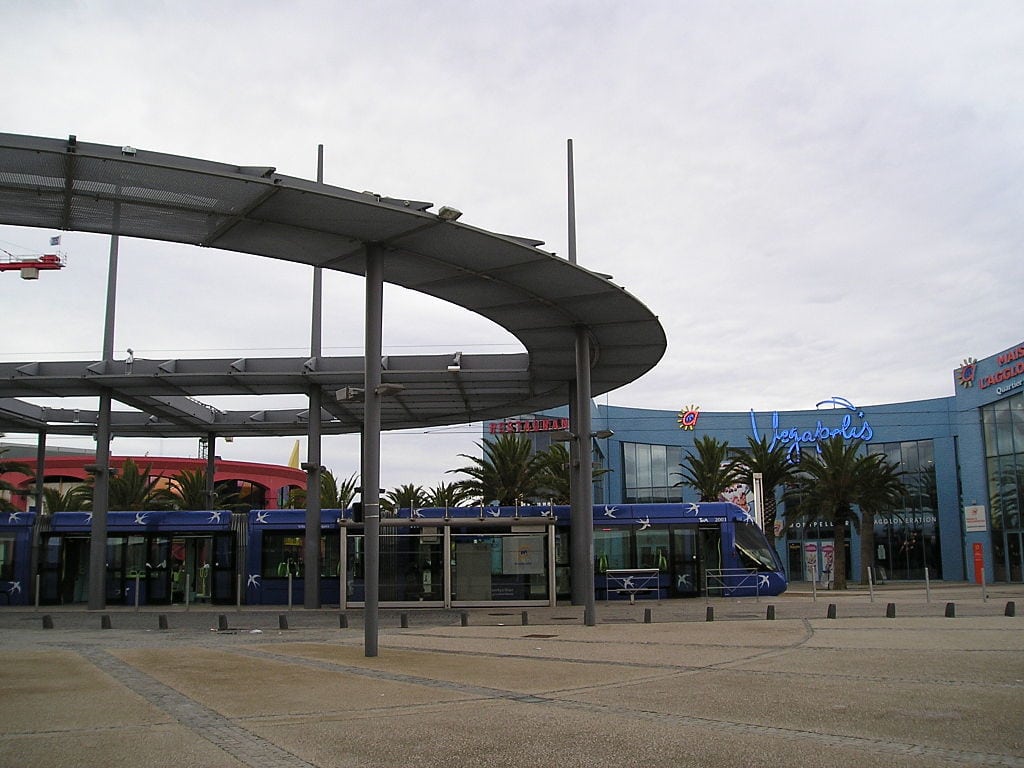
[753, 548]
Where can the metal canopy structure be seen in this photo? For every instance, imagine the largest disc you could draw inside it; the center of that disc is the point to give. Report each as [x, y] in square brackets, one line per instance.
[543, 300]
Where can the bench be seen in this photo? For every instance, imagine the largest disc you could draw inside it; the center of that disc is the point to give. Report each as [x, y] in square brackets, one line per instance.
[632, 581]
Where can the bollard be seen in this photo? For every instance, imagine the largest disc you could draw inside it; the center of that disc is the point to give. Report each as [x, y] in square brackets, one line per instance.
[465, 619]
[890, 611]
[647, 615]
[831, 611]
[47, 621]
[950, 610]
[162, 621]
[526, 618]
[222, 622]
[1011, 609]
[282, 621]
[104, 622]
[342, 621]
[770, 614]
[404, 620]
[710, 613]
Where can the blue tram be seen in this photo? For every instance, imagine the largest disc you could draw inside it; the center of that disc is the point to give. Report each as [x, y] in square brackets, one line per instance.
[158, 557]
[681, 550]
[16, 557]
[460, 556]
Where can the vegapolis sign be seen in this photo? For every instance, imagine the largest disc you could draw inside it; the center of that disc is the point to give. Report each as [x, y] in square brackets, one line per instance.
[852, 426]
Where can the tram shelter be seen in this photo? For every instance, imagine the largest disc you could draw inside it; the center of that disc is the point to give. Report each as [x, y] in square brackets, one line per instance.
[582, 334]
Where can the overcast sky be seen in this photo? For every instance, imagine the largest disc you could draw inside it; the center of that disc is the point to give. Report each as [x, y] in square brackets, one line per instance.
[817, 198]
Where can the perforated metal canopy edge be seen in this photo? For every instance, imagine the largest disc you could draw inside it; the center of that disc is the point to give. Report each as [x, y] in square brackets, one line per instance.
[539, 298]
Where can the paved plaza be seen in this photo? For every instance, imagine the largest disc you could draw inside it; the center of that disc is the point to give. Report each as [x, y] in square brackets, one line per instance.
[892, 680]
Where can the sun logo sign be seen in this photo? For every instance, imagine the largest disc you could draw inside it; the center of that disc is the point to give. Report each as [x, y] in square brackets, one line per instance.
[965, 373]
[688, 417]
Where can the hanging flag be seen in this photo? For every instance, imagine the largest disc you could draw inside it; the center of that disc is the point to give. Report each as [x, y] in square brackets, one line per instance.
[55, 240]
[293, 460]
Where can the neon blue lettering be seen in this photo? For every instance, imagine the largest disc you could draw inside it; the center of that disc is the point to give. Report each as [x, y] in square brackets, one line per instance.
[795, 438]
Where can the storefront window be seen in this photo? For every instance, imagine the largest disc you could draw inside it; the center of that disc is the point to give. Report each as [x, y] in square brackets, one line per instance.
[1004, 446]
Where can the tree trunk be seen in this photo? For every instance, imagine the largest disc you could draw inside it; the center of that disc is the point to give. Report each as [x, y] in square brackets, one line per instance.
[771, 511]
[839, 553]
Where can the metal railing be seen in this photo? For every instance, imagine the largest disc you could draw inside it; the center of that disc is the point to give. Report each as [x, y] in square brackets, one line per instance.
[721, 580]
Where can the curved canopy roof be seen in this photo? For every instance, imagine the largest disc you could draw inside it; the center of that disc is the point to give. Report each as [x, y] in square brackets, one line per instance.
[539, 298]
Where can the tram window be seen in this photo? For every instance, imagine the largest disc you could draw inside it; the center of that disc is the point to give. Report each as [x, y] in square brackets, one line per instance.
[135, 562]
[329, 554]
[51, 551]
[753, 548]
[115, 553]
[282, 554]
[652, 548]
[611, 549]
[7, 558]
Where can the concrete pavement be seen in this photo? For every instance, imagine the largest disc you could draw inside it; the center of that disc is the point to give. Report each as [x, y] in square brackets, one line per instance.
[918, 689]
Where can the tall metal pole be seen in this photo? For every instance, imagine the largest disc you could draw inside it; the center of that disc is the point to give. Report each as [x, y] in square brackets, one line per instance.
[577, 573]
[371, 441]
[311, 554]
[211, 468]
[581, 485]
[40, 470]
[101, 491]
[40, 509]
[572, 205]
[583, 524]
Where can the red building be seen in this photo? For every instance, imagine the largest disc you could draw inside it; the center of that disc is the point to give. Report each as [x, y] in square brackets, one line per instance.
[257, 486]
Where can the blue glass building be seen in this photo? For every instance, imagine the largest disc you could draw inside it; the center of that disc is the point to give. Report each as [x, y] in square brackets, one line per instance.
[962, 457]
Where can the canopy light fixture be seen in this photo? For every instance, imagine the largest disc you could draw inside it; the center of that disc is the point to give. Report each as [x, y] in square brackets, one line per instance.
[447, 213]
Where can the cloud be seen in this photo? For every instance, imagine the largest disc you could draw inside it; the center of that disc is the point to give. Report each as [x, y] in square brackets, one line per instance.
[816, 199]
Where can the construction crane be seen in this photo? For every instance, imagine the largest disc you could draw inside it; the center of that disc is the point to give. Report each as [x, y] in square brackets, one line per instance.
[32, 264]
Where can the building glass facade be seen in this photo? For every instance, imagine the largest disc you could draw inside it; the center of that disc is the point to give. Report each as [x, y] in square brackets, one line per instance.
[1003, 424]
[649, 473]
[907, 539]
[962, 459]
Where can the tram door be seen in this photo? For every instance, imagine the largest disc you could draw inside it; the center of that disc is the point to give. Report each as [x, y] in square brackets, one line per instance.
[191, 569]
[685, 562]
[710, 559]
[74, 569]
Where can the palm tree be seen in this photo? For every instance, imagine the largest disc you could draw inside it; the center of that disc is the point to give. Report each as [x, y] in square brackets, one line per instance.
[831, 481]
[403, 497]
[133, 489]
[711, 470]
[508, 471]
[188, 489]
[10, 488]
[74, 499]
[775, 468]
[446, 495]
[555, 478]
[883, 491]
[334, 494]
